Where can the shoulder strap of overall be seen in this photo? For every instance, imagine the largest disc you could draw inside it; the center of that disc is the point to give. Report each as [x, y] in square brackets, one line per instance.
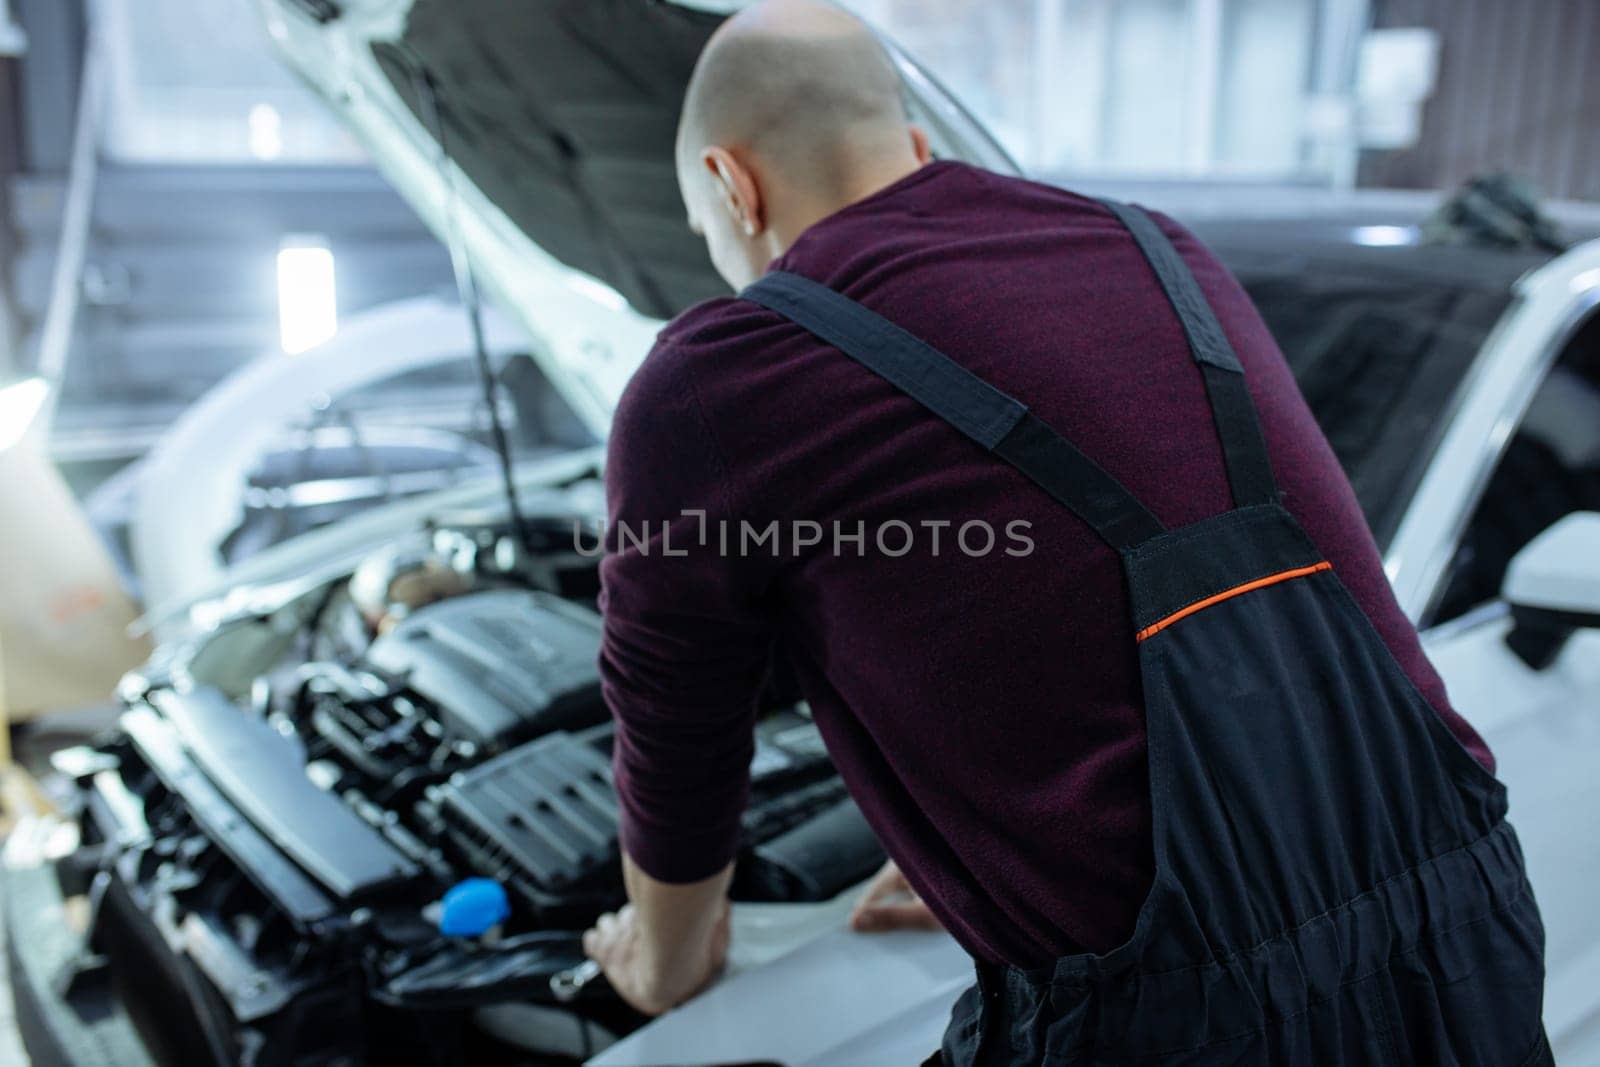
[1244, 450]
[988, 416]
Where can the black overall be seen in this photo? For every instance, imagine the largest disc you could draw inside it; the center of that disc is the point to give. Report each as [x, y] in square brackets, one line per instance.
[1335, 881]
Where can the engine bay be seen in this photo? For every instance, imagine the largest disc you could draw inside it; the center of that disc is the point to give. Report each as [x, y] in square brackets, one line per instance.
[269, 866]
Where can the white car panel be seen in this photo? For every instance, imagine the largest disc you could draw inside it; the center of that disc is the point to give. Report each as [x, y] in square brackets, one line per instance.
[1544, 730]
[843, 998]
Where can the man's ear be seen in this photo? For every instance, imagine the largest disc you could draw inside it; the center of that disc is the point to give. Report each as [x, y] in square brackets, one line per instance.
[740, 194]
[919, 145]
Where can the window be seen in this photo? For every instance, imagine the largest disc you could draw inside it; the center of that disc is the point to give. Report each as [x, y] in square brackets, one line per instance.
[1550, 468]
[1127, 88]
[199, 83]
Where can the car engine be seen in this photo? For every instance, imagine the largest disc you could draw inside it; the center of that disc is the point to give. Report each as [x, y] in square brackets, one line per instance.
[268, 865]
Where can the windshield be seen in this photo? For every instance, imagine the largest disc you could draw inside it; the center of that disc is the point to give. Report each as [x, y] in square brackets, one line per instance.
[1379, 341]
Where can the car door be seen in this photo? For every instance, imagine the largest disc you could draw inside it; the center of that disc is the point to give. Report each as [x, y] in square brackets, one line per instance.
[1544, 729]
[1543, 724]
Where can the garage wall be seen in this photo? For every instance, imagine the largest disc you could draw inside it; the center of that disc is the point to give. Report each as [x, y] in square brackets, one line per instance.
[179, 284]
[1518, 85]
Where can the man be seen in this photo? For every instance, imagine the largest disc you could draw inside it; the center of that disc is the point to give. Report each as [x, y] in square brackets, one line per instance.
[982, 694]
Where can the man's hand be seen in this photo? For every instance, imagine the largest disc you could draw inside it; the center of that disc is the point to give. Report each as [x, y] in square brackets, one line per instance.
[667, 945]
[891, 904]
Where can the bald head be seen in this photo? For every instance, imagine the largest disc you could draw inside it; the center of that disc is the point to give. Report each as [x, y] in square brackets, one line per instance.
[801, 83]
[793, 112]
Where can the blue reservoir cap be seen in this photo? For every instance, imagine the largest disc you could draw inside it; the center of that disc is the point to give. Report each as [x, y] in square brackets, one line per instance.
[471, 907]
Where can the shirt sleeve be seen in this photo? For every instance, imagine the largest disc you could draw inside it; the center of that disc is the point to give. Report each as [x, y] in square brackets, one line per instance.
[686, 648]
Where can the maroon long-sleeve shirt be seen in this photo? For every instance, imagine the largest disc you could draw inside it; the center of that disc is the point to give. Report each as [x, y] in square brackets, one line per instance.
[982, 706]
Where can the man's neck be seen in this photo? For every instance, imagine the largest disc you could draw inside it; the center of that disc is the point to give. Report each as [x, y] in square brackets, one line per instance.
[860, 185]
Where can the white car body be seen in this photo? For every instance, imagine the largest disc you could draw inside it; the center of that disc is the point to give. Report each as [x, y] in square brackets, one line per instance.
[804, 991]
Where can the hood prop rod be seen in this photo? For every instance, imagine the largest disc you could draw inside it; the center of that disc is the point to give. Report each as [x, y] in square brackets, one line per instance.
[467, 292]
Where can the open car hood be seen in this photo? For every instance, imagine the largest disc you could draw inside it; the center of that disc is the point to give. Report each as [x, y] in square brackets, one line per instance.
[555, 171]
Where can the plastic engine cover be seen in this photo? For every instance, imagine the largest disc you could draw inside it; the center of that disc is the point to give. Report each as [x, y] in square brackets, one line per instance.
[542, 820]
[501, 666]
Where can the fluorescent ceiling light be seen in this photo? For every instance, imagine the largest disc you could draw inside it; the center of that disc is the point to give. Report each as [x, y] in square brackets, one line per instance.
[1384, 236]
[308, 310]
[266, 132]
[19, 405]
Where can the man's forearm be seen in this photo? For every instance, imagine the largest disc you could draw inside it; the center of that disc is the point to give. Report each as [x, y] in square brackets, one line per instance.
[668, 943]
[676, 922]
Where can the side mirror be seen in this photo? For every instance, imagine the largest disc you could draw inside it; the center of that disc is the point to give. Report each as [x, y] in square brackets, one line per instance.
[1553, 587]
